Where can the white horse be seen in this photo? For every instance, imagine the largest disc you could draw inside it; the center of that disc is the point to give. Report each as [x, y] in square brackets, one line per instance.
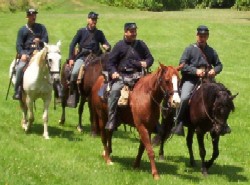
[42, 71]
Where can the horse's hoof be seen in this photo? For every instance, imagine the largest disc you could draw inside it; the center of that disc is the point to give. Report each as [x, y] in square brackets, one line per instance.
[161, 158]
[94, 134]
[192, 163]
[61, 122]
[109, 162]
[79, 128]
[156, 177]
[204, 172]
[46, 137]
[25, 127]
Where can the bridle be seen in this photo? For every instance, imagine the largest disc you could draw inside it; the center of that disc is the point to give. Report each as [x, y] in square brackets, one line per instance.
[166, 94]
[212, 118]
[48, 63]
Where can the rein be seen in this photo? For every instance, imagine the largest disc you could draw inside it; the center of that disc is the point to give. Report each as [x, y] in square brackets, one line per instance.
[202, 97]
[159, 104]
[165, 94]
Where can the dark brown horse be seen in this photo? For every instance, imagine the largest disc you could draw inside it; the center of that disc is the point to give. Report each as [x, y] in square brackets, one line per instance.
[142, 112]
[209, 109]
[93, 69]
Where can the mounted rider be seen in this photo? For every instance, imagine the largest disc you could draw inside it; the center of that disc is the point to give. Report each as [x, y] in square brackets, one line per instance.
[195, 59]
[30, 37]
[88, 40]
[128, 56]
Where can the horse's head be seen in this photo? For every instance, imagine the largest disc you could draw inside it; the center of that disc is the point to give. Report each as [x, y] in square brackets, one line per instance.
[54, 59]
[222, 107]
[169, 79]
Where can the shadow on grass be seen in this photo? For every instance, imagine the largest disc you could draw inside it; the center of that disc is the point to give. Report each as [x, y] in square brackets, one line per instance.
[37, 128]
[171, 165]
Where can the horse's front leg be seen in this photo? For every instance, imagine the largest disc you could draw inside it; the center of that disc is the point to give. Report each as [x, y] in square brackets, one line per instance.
[106, 137]
[80, 111]
[64, 104]
[141, 149]
[215, 142]
[29, 103]
[189, 142]
[45, 117]
[95, 130]
[145, 138]
[24, 121]
[200, 138]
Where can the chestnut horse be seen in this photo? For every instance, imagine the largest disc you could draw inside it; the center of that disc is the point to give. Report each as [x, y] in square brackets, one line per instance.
[208, 111]
[142, 112]
[93, 69]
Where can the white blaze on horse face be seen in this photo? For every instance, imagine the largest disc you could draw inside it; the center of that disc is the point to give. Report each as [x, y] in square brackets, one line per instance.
[54, 60]
[176, 97]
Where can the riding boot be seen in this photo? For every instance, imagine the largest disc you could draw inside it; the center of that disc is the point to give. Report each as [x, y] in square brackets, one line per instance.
[112, 109]
[178, 128]
[18, 92]
[19, 79]
[72, 87]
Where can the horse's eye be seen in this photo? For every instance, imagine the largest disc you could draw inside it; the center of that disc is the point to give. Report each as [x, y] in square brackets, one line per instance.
[50, 60]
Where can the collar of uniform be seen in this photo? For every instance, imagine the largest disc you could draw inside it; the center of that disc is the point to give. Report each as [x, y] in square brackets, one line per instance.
[129, 43]
[199, 46]
[87, 28]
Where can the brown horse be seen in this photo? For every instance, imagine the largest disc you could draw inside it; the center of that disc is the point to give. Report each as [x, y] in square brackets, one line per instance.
[93, 69]
[208, 111]
[142, 112]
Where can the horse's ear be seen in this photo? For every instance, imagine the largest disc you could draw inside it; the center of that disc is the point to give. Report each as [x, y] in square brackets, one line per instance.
[233, 96]
[161, 65]
[59, 43]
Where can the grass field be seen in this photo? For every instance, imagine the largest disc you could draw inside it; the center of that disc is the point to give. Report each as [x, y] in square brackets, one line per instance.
[72, 158]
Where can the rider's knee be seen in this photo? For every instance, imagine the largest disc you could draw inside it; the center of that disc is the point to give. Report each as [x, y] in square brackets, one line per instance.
[24, 57]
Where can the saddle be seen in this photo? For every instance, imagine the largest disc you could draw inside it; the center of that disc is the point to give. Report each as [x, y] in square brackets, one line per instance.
[129, 82]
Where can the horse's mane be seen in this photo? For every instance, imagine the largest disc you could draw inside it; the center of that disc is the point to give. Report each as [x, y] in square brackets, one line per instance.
[148, 82]
[39, 56]
[215, 90]
[103, 59]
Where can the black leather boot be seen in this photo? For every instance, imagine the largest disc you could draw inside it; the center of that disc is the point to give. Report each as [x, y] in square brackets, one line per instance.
[112, 104]
[19, 81]
[178, 129]
[72, 87]
[18, 93]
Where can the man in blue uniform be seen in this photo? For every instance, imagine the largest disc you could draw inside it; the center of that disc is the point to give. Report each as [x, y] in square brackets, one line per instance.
[30, 37]
[88, 40]
[127, 55]
[195, 58]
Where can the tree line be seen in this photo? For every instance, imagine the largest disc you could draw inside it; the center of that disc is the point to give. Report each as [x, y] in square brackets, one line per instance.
[148, 5]
[163, 5]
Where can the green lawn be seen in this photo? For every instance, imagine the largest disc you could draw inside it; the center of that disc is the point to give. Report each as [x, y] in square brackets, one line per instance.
[72, 158]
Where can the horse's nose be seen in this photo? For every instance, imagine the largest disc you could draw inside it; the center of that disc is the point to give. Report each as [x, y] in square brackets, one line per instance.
[176, 98]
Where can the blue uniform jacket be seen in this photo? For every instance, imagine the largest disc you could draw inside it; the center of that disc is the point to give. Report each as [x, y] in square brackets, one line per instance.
[26, 36]
[82, 36]
[122, 58]
[194, 58]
